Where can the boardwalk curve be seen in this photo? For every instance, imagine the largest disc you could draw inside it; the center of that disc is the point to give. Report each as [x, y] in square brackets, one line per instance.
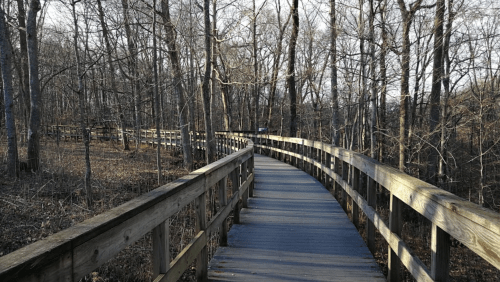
[293, 230]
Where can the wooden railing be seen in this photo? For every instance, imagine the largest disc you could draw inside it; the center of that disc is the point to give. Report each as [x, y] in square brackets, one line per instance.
[72, 253]
[476, 227]
[169, 138]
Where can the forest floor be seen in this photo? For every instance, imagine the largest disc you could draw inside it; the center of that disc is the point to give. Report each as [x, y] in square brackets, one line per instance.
[43, 203]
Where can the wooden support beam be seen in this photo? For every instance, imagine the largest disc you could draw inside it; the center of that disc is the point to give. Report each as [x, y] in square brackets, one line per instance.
[223, 203]
[244, 174]
[440, 254]
[235, 176]
[201, 225]
[345, 175]
[161, 248]
[355, 186]
[395, 226]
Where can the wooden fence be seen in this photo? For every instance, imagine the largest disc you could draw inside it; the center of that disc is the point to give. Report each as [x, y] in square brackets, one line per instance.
[343, 170]
[72, 253]
[170, 139]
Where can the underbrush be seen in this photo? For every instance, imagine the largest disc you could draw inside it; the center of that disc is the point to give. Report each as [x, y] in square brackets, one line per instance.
[40, 204]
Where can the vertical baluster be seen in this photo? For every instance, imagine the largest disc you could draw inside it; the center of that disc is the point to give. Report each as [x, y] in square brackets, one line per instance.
[201, 224]
[308, 162]
[161, 249]
[260, 143]
[251, 169]
[302, 153]
[355, 186]
[223, 203]
[235, 175]
[345, 176]
[336, 186]
[395, 225]
[440, 254]
[328, 164]
[243, 179]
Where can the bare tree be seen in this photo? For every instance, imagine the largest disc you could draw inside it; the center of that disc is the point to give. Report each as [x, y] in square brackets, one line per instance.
[178, 83]
[210, 136]
[437, 73]
[276, 62]
[114, 88]
[133, 75]
[35, 93]
[407, 16]
[333, 79]
[81, 101]
[373, 86]
[8, 91]
[292, 91]
[24, 76]
[157, 99]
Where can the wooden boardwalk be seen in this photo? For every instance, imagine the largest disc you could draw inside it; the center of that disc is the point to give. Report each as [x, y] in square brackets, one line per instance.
[293, 230]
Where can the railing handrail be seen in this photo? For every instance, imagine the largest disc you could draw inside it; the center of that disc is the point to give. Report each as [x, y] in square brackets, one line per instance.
[74, 252]
[476, 227]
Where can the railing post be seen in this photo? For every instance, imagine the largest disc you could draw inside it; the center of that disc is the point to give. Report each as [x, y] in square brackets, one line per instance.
[313, 157]
[259, 138]
[371, 198]
[201, 224]
[170, 139]
[345, 176]
[440, 254]
[355, 186]
[251, 169]
[244, 174]
[235, 175]
[161, 249]
[223, 203]
[336, 186]
[319, 171]
[395, 225]
[308, 163]
[328, 164]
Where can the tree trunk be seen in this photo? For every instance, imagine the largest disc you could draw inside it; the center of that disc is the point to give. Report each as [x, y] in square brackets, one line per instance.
[178, 85]
[255, 69]
[383, 80]
[134, 80]
[333, 82]
[291, 69]
[81, 102]
[276, 64]
[446, 86]
[157, 100]
[35, 117]
[373, 87]
[25, 73]
[435, 96]
[114, 87]
[8, 91]
[407, 16]
[210, 141]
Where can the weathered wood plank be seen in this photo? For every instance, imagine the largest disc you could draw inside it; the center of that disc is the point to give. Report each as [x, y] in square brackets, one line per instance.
[475, 227]
[74, 252]
[161, 248]
[293, 230]
[184, 259]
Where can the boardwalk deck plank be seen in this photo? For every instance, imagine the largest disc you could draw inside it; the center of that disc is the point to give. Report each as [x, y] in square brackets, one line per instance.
[293, 230]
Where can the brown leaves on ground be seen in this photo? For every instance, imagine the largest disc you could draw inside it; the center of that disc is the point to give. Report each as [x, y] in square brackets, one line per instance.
[43, 203]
